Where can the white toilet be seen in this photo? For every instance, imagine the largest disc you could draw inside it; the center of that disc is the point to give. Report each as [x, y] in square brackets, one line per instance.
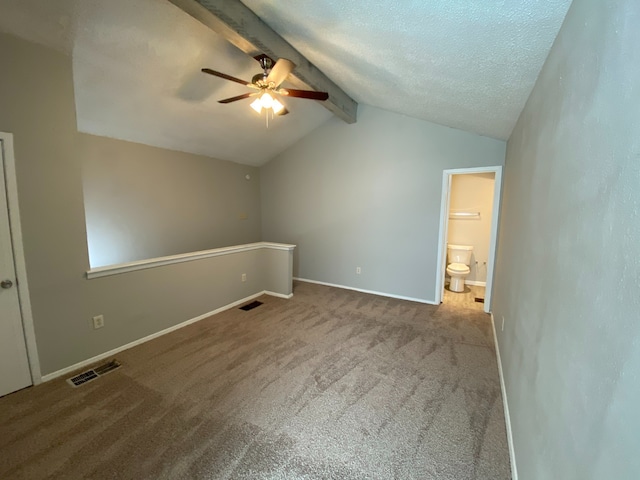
[459, 258]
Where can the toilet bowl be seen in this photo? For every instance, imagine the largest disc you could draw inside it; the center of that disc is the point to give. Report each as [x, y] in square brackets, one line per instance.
[459, 257]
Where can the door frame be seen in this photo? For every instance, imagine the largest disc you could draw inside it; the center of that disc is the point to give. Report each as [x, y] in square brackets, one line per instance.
[444, 228]
[11, 185]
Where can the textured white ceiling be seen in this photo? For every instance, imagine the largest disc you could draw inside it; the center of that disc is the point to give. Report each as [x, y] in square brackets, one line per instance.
[461, 63]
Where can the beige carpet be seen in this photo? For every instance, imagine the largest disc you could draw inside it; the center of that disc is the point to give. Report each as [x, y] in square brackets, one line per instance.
[331, 384]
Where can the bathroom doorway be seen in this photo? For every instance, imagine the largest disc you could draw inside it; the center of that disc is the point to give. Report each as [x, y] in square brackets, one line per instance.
[469, 217]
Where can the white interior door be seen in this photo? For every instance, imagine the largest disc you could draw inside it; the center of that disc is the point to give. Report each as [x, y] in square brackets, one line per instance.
[14, 362]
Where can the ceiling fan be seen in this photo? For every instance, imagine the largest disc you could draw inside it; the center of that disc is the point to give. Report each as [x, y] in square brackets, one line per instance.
[267, 85]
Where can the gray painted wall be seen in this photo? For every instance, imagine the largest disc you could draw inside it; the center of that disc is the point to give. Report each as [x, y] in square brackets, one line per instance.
[144, 202]
[567, 279]
[368, 195]
[36, 95]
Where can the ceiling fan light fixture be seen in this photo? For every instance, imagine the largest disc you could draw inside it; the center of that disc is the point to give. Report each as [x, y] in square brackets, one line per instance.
[266, 100]
[257, 105]
[277, 106]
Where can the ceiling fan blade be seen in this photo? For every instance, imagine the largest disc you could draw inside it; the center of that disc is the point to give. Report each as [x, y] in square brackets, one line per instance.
[304, 94]
[280, 71]
[235, 99]
[225, 76]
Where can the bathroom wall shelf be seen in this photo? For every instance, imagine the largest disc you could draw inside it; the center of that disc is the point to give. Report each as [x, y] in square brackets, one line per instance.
[464, 215]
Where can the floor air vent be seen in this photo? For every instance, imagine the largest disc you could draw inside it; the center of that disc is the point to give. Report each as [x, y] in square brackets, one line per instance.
[89, 375]
[479, 300]
[250, 306]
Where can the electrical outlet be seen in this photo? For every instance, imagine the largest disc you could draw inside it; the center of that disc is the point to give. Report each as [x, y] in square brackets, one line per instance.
[358, 270]
[502, 329]
[244, 277]
[98, 322]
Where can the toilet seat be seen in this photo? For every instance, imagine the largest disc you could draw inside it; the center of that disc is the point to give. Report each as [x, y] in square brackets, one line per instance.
[458, 268]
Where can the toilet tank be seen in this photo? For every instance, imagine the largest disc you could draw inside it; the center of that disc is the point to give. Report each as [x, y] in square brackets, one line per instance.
[459, 253]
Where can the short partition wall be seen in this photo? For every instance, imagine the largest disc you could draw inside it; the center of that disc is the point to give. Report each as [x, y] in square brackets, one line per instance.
[189, 257]
[146, 299]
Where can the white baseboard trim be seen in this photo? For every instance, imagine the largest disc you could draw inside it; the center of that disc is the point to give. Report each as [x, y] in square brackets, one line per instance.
[382, 294]
[102, 356]
[279, 295]
[475, 283]
[507, 417]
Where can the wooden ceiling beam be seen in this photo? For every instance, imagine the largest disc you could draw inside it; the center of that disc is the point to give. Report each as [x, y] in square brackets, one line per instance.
[236, 23]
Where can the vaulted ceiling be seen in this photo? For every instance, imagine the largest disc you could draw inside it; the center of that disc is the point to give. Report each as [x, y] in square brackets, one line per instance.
[136, 65]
